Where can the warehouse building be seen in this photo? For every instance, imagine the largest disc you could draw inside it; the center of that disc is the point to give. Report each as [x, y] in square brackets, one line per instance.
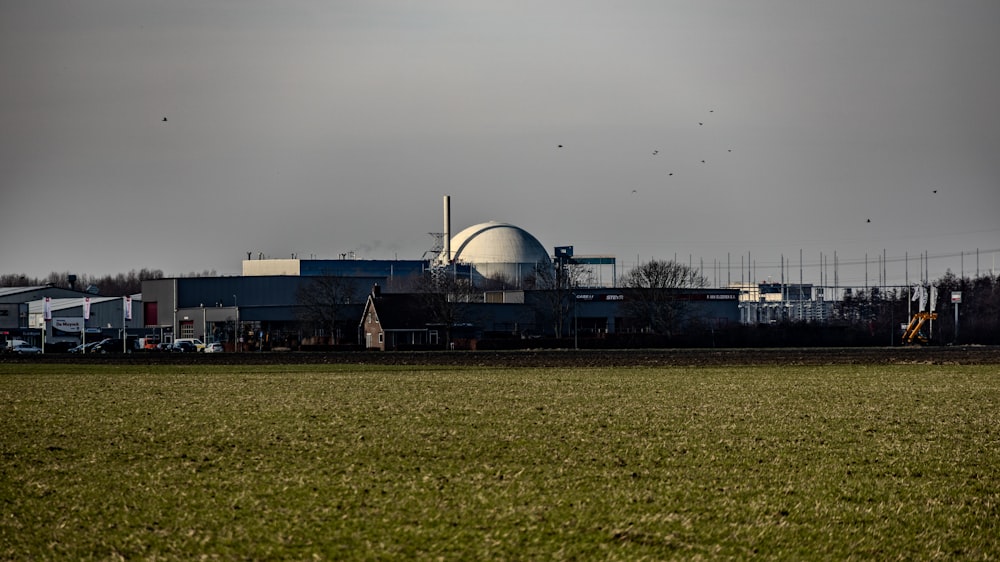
[14, 311]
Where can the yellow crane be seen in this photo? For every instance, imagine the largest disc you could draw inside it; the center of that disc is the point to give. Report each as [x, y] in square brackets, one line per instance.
[912, 333]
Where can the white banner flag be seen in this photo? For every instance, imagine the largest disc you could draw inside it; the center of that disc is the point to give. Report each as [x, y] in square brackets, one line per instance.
[48, 309]
[128, 308]
[86, 308]
[920, 294]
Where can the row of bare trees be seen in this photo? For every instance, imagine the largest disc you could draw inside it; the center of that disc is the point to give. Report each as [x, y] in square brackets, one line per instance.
[882, 313]
[652, 304]
[118, 285]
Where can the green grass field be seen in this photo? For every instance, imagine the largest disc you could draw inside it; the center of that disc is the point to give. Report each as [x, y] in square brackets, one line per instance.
[348, 462]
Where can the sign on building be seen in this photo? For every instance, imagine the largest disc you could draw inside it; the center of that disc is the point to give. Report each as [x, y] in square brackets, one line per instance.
[67, 325]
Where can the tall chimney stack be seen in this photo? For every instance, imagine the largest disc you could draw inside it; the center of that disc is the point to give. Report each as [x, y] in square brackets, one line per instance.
[447, 229]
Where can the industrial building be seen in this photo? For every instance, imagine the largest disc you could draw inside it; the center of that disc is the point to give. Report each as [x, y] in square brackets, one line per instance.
[14, 306]
[293, 303]
[44, 316]
[271, 304]
[267, 310]
[770, 303]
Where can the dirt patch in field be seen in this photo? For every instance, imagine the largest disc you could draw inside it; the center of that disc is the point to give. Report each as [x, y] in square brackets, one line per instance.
[957, 355]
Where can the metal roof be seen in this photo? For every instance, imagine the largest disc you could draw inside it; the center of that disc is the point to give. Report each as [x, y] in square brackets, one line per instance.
[7, 291]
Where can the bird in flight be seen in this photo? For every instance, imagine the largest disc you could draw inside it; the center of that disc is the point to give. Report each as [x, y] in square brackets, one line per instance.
[655, 152]
[560, 146]
[164, 119]
[869, 220]
[935, 191]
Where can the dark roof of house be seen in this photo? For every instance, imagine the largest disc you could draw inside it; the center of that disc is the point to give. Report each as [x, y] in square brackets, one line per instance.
[400, 311]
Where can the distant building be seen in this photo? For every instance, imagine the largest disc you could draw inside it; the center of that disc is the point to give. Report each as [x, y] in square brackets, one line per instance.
[397, 321]
[768, 303]
[14, 311]
[401, 321]
[387, 270]
[107, 318]
[263, 307]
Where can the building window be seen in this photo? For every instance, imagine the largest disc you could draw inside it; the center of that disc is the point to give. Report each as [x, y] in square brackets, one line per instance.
[381, 337]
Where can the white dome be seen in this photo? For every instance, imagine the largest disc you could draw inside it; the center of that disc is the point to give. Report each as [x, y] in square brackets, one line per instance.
[499, 248]
[497, 242]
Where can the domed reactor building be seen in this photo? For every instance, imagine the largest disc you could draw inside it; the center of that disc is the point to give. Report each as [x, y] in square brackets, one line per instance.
[493, 251]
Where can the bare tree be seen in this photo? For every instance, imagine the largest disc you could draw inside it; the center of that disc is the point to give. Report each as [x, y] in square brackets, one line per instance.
[653, 300]
[555, 286]
[17, 280]
[445, 299]
[498, 282]
[321, 301]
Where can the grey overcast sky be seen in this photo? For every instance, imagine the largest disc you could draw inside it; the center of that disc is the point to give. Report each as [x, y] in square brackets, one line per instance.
[712, 130]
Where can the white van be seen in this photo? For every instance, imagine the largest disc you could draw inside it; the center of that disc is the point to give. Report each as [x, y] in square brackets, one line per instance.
[197, 343]
[11, 344]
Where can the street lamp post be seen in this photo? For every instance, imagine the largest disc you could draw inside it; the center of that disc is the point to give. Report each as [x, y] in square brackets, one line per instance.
[236, 329]
[126, 303]
[576, 323]
[956, 298]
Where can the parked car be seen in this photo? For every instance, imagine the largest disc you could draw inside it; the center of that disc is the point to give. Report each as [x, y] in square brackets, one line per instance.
[9, 345]
[26, 349]
[197, 343]
[183, 347]
[214, 347]
[111, 345]
[58, 347]
[85, 348]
